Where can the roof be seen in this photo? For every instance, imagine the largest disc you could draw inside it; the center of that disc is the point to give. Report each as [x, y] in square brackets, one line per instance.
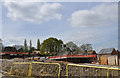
[72, 56]
[106, 51]
[2, 53]
[18, 46]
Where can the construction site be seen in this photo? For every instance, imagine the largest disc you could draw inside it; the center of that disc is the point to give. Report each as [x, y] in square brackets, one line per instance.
[67, 66]
[104, 64]
[59, 39]
[68, 63]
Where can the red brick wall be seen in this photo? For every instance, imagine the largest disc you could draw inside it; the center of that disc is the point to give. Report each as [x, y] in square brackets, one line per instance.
[114, 52]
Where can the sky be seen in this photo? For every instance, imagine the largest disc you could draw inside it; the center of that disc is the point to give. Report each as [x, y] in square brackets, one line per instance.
[81, 22]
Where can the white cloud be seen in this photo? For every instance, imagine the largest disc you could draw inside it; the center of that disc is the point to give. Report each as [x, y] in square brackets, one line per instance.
[100, 15]
[66, 0]
[13, 40]
[79, 37]
[19, 40]
[33, 11]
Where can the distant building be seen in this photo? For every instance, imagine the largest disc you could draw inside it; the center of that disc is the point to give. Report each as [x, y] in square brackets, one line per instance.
[91, 52]
[107, 51]
[10, 49]
[18, 47]
[108, 56]
[35, 52]
[9, 55]
[75, 58]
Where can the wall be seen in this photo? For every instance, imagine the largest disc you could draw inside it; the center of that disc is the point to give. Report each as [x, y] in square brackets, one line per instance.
[109, 60]
[103, 60]
[114, 52]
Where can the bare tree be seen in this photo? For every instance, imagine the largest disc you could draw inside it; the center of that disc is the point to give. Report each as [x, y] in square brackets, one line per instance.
[86, 47]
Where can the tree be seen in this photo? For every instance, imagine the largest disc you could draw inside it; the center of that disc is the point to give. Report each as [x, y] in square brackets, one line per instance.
[20, 50]
[59, 44]
[86, 47]
[33, 48]
[73, 47]
[30, 45]
[29, 52]
[25, 46]
[38, 44]
[10, 49]
[51, 45]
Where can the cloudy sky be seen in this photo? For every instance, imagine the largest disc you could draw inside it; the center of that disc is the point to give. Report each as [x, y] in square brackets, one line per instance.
[80, 22]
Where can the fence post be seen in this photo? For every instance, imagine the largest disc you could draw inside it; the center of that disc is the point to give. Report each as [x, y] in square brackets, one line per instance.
[67, 70]
[30, 70]
[59, 70]
[11, 69]
[108, 73]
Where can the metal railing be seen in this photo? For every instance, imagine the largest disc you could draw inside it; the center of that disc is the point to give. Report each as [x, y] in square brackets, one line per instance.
[31, 69]
[91, 71]
[15, 71]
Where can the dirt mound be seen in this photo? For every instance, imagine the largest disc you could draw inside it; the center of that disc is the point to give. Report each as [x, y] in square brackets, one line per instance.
[6, 65]
[18, 60]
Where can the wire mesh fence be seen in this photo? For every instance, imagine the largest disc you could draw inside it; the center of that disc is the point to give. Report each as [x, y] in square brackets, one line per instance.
[114, 72]
[83, 71]
[45, 69]
[35, 69]
[53, 70]
[20, 69]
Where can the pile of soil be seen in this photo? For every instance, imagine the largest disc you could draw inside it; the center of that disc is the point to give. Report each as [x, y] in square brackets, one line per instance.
[6, 65]
[20, 70]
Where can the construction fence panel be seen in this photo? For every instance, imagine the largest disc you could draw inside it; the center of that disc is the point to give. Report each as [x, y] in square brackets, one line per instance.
[74, 70]
[41, 69]
[20, 69]
[35, 69]
[114, 72]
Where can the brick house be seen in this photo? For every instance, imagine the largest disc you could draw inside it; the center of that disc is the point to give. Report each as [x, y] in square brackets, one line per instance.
[103, 55]
[107, 51]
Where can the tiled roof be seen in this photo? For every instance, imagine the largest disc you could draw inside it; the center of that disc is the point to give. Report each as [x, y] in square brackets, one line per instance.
[106, 51]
